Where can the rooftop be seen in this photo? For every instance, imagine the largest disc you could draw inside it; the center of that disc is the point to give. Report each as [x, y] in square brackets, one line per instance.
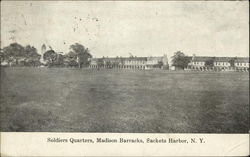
[220, 59]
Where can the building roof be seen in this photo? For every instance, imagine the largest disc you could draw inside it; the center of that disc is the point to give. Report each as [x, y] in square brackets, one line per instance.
[223, 59]
[94, 59]
[220, 59]
[135, 58]
[194, 59]
[201, 58]
[154, 58]
[121, 58]
[242, 60]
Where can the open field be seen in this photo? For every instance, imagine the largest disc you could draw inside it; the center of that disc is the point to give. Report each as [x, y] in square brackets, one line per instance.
[109, 100]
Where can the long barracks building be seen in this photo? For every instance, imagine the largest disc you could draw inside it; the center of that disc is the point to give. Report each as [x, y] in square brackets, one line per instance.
[206, 63]
[130, 62]
[197, 63]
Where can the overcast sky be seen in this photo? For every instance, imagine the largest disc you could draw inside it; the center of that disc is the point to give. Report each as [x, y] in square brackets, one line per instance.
[140, 28]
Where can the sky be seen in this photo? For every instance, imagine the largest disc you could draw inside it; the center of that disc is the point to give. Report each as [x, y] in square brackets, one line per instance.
[110, 28]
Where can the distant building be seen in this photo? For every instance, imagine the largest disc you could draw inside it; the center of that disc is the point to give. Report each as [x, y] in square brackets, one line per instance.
[241, 63]
[205, 63]
[130, 62]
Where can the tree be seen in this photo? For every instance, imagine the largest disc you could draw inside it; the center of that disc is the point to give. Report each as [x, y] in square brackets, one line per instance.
[14, 53]
[180, 60]
[32, 58]
[209, 62]
[50, 57]
[59, 61]
[159, 65]
[1, 56]
[82, 54]
[70, 59]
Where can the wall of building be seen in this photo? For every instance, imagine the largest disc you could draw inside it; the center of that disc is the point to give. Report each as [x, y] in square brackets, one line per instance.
[219, 64]
[197, 63]
[130, 63]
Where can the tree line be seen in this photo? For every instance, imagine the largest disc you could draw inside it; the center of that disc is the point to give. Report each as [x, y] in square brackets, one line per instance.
[17, 55]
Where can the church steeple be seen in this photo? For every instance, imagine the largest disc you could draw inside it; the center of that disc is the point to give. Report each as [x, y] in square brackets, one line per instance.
[165, 61]
[43, 50]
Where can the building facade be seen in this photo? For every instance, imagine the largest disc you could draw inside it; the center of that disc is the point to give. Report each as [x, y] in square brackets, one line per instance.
[197, 63]
[204, 63]
[241, 63]
[130, 62]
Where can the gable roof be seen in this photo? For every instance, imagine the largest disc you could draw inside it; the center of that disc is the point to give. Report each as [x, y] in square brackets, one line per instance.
[122, 58]
[154, 58]
[201, 58]
[242, 60]
[220, 59]
[223, 59]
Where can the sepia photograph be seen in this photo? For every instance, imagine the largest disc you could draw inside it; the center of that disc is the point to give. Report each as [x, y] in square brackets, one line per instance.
[125, 67]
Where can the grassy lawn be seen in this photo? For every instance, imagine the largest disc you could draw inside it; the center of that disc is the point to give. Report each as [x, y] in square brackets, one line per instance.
[110, 100]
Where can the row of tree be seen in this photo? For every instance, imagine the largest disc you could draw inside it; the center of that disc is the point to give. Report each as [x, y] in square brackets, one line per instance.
[17, 55]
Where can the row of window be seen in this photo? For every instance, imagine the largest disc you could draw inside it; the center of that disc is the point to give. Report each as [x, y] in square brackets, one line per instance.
[152, 62]
[242, 64]
[142, 62]
[222, 63]
[135, 61]
[199, 63]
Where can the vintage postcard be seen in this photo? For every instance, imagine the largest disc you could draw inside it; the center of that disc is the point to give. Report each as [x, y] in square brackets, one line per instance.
[124, 78]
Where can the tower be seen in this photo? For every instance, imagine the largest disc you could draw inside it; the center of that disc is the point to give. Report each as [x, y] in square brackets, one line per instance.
[43, 50]
[165, 62]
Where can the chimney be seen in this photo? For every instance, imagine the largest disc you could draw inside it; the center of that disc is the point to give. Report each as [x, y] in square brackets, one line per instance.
[193, 57]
